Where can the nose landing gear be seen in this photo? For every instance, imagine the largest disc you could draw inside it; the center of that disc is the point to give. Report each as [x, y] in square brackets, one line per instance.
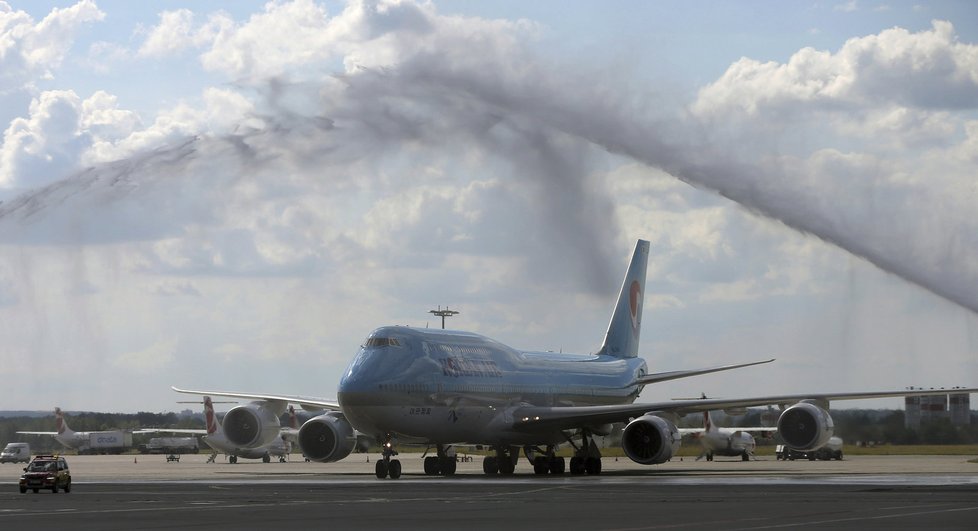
[387, 466]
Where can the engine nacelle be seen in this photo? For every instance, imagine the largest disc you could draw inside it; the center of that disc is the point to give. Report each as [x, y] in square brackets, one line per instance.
[805, 427]
[650, 440]
[251, 425]
[327, 438]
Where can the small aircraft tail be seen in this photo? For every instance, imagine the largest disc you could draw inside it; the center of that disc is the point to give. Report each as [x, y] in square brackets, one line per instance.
[293, 419]
[61, 424]
[213, 426]
[621, 341]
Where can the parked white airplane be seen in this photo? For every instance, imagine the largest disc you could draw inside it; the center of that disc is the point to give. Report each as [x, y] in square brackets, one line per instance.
[214, 437]
[728, 442]
[440, 387]
[106, 441]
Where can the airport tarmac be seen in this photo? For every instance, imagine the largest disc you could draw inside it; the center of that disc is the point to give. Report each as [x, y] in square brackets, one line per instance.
[147, 492]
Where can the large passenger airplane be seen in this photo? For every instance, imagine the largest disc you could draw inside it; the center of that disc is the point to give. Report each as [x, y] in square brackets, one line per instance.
[214, 437]
[442, 388]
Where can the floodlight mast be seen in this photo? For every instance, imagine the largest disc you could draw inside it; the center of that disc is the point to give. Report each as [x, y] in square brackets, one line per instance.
[443, 314]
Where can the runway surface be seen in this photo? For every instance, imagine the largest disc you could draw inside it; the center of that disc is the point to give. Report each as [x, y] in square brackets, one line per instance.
[114, 492]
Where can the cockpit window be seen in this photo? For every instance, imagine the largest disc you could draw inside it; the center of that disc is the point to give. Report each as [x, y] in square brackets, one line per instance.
[381, 342]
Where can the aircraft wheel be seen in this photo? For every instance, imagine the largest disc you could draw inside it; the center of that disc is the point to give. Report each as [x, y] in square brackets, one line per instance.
[577, 465]
[541, 465]
[490, 465]
[507, 466]
[431, 467]
[381, 469]
[448, 465]
[395, 469]
[745, 457]
[557, 465]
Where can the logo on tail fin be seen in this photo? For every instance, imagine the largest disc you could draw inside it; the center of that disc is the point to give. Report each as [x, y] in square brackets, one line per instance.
[293, 421]
[635, 305]
[209, 416]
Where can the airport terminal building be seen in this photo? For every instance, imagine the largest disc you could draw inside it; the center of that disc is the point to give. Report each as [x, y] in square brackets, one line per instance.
[943, 404]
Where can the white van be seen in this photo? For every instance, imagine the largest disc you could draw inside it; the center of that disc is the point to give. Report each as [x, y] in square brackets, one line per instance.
[15, 452]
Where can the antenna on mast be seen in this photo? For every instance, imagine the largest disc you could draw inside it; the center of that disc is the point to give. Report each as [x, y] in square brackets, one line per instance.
[443, 314]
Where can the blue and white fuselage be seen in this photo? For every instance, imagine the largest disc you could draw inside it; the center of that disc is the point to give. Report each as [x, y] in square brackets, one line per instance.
[454, 387]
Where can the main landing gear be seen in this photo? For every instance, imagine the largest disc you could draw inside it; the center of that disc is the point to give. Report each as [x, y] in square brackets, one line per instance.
[443, 463]
[587, 457]
[387, 466]
[504, 462]
[548, 463]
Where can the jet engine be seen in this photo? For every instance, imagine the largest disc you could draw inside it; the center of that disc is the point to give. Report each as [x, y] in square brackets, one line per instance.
[650, 440]
[251, 425]
[327, 438]
[805, 427]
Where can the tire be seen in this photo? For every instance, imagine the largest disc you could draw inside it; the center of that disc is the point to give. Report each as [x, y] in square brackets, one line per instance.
[541, 465]
[448, 466]
[266, 458]
[577, 465]
[431, 466]
[380, 469]
[54, 488]
[68, 487]
[557, 465]
[23, 490]
[395, 469]
[490, 466]
[36, 490]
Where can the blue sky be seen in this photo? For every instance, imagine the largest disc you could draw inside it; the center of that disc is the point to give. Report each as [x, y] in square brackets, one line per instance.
[232, 195]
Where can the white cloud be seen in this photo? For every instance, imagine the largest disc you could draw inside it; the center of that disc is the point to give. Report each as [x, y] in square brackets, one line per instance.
[28, 49]
[929, 69]
[177, 32]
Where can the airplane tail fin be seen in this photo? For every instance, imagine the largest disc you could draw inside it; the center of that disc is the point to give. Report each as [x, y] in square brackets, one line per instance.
[293, 420]
[707, 421]
[60, 423]
[621, 341]
[213, 426]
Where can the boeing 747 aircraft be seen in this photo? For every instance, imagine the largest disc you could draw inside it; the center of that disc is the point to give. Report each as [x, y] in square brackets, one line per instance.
[442, 388]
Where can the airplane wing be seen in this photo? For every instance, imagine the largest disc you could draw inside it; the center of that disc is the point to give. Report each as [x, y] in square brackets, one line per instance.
[307, 403]
[675, 375]
[187, 431]
[531, 418]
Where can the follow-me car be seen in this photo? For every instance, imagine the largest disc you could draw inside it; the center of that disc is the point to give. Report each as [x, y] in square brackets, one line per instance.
[46, 472]
[443, 388]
